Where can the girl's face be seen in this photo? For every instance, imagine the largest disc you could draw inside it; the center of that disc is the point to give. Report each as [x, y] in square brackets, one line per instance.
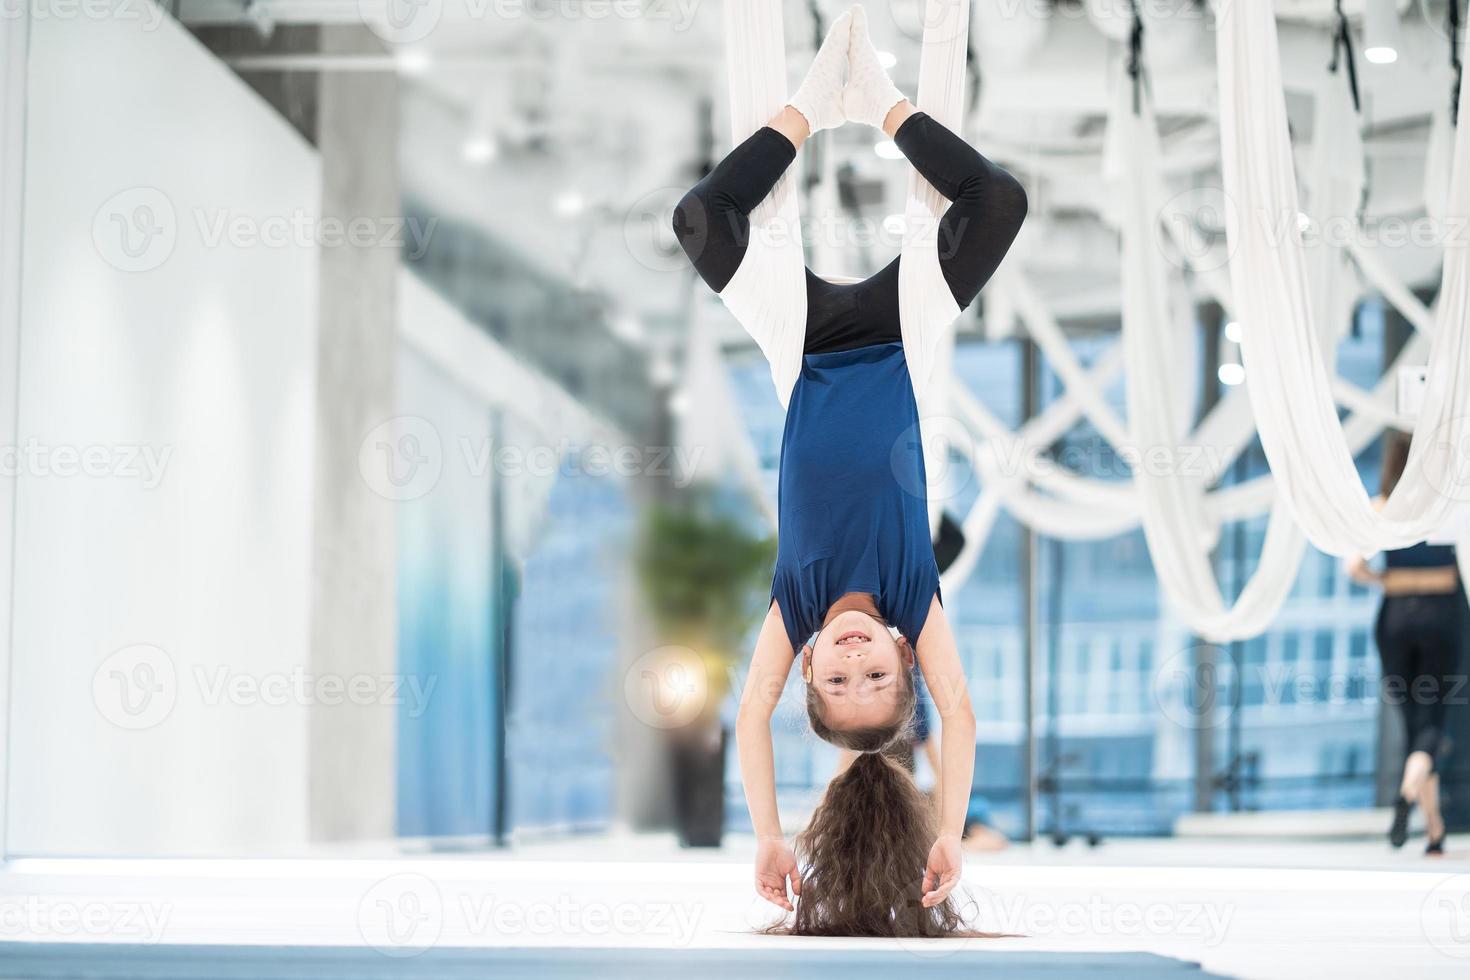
[855, 665]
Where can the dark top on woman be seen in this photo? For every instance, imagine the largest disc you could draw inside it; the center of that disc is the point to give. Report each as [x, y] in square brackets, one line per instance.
[1421, 555]
[853, 510]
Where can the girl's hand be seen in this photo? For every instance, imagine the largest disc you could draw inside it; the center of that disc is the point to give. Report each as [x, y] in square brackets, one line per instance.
[946, 861]
[774, 866]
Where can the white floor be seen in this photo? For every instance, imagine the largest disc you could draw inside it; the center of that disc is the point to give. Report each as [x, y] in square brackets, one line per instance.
[1247, 909]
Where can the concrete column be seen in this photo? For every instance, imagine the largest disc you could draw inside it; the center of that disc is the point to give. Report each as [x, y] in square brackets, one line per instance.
[14, 32]
[354, 603]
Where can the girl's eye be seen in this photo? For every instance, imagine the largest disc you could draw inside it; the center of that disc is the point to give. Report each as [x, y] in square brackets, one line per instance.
[877, 675]
[834, 680]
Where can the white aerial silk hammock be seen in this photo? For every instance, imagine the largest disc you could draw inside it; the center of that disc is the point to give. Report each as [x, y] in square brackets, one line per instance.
[708, 423]
[767, 294]
[1179, 532]
[1286, 371]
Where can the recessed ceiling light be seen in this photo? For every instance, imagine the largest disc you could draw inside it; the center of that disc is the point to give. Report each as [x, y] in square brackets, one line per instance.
[568, 203]
[479, 149]
[413, 61]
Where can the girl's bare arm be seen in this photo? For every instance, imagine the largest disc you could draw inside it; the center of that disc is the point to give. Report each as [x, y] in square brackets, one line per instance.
[768, 669]
[939, 659]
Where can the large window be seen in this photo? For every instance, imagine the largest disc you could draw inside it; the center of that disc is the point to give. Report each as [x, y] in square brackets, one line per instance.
[1294, 713]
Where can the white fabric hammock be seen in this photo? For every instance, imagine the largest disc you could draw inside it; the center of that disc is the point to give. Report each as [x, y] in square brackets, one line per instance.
[1180, 517]
[1286, 371]
[1172, 501]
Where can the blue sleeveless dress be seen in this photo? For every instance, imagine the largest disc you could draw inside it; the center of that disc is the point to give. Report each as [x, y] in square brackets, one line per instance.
[853, 503]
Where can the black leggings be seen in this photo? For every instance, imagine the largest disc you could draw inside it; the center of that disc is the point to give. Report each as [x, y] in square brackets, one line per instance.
[1419, 643]
[988, 205]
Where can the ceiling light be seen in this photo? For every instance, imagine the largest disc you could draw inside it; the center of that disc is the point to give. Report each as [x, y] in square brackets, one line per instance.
[887, 59]
[626, 327]
[888, 150]
[479, 149]
[1233, 331]
[1380, 32]
[1231, 374]
[568, 203]
[414, 61]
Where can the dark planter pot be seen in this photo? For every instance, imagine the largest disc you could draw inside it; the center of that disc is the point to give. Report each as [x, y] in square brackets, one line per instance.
[699, 786]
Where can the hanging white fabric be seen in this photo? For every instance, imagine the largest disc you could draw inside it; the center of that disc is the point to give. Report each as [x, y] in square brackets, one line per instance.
[713, 436]
[767, 294]
[1286, 370]
[1171, 498]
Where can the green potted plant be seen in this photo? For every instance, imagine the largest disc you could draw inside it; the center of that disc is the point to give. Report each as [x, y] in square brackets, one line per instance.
[705, 579]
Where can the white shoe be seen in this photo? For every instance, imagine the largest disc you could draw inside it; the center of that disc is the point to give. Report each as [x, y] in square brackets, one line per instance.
[819, 98]
[869, 93]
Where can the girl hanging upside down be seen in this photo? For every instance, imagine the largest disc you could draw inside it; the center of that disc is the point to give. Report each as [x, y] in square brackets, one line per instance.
[856, 589]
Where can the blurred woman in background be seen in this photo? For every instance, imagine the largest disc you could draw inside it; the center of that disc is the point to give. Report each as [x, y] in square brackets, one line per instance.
[1419, 640]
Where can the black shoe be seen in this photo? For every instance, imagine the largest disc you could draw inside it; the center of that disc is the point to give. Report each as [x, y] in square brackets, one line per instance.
[1435, 848]
[1399, 832]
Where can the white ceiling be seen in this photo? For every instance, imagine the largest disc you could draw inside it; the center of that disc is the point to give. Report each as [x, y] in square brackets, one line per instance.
[596, 118]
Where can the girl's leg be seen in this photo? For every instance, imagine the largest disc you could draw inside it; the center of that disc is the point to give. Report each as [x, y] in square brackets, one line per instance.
[712, 221]
[988, 204]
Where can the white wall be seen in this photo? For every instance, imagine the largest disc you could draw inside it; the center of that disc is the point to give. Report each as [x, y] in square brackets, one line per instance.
[13, 34]
[203, 356]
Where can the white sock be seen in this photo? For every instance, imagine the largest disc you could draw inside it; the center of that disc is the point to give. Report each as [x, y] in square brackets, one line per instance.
[819, 98]
[869, 92]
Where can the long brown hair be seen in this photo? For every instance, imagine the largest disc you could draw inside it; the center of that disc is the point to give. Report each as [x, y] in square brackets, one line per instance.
[1395, 458]
[863, 855]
